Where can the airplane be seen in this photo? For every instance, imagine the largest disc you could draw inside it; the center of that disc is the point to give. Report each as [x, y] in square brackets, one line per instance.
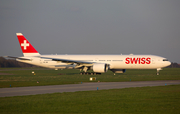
[97, 63]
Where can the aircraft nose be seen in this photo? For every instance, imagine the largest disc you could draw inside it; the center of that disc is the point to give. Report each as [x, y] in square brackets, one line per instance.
[169, 63]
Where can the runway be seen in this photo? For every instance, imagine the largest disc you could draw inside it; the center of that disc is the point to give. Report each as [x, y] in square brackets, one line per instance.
[34, 90]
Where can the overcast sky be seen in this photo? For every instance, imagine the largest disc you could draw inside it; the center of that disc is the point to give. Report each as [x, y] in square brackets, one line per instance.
[92, 26]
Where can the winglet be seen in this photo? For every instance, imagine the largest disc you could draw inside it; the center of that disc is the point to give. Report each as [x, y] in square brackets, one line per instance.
[26, 47]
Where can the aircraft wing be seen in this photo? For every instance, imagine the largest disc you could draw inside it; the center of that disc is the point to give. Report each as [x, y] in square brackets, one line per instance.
[70, 61]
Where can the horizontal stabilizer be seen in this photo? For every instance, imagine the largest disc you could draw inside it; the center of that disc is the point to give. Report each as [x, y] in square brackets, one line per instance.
[18, 58]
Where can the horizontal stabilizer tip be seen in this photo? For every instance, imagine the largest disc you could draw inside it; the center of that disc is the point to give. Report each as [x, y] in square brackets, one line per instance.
[19, 34]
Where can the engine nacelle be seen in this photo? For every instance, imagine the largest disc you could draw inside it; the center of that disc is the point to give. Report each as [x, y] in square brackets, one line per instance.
[100, 67]
[118, 70]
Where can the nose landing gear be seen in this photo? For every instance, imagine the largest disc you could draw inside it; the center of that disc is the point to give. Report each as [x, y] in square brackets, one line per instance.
[158, 69]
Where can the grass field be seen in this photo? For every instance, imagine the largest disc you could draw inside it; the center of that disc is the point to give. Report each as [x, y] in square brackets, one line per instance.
[144, 100]
[17, 77]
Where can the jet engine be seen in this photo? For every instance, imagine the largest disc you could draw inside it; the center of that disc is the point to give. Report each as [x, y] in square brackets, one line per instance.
[100, 67]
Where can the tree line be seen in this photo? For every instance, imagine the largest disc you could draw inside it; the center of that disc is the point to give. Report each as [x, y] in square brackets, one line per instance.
[4, 63]
[174, 65]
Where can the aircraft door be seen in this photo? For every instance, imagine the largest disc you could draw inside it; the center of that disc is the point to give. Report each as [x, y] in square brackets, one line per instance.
[153, 61]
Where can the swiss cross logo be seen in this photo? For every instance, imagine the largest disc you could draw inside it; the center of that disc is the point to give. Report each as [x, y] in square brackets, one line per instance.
[25, 44]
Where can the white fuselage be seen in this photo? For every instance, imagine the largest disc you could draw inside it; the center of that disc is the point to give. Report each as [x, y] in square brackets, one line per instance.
[114, 61]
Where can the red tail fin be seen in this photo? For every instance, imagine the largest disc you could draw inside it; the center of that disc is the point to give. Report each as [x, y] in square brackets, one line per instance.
[26, 47]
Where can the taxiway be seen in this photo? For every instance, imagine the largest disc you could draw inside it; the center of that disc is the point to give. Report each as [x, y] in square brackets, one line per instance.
[34, 90]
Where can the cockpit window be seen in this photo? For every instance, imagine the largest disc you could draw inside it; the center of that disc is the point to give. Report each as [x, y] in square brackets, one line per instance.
[165, 60]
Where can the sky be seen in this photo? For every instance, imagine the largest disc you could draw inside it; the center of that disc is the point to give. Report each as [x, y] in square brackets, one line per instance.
[92, 27]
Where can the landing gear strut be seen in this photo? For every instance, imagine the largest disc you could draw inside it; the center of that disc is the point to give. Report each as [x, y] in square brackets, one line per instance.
[158, 69]
[157, 73]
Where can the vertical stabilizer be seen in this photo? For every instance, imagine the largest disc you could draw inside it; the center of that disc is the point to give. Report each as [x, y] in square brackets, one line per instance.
[26, 47]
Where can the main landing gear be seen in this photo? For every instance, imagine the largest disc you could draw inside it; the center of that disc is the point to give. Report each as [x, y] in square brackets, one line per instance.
[90, 73]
